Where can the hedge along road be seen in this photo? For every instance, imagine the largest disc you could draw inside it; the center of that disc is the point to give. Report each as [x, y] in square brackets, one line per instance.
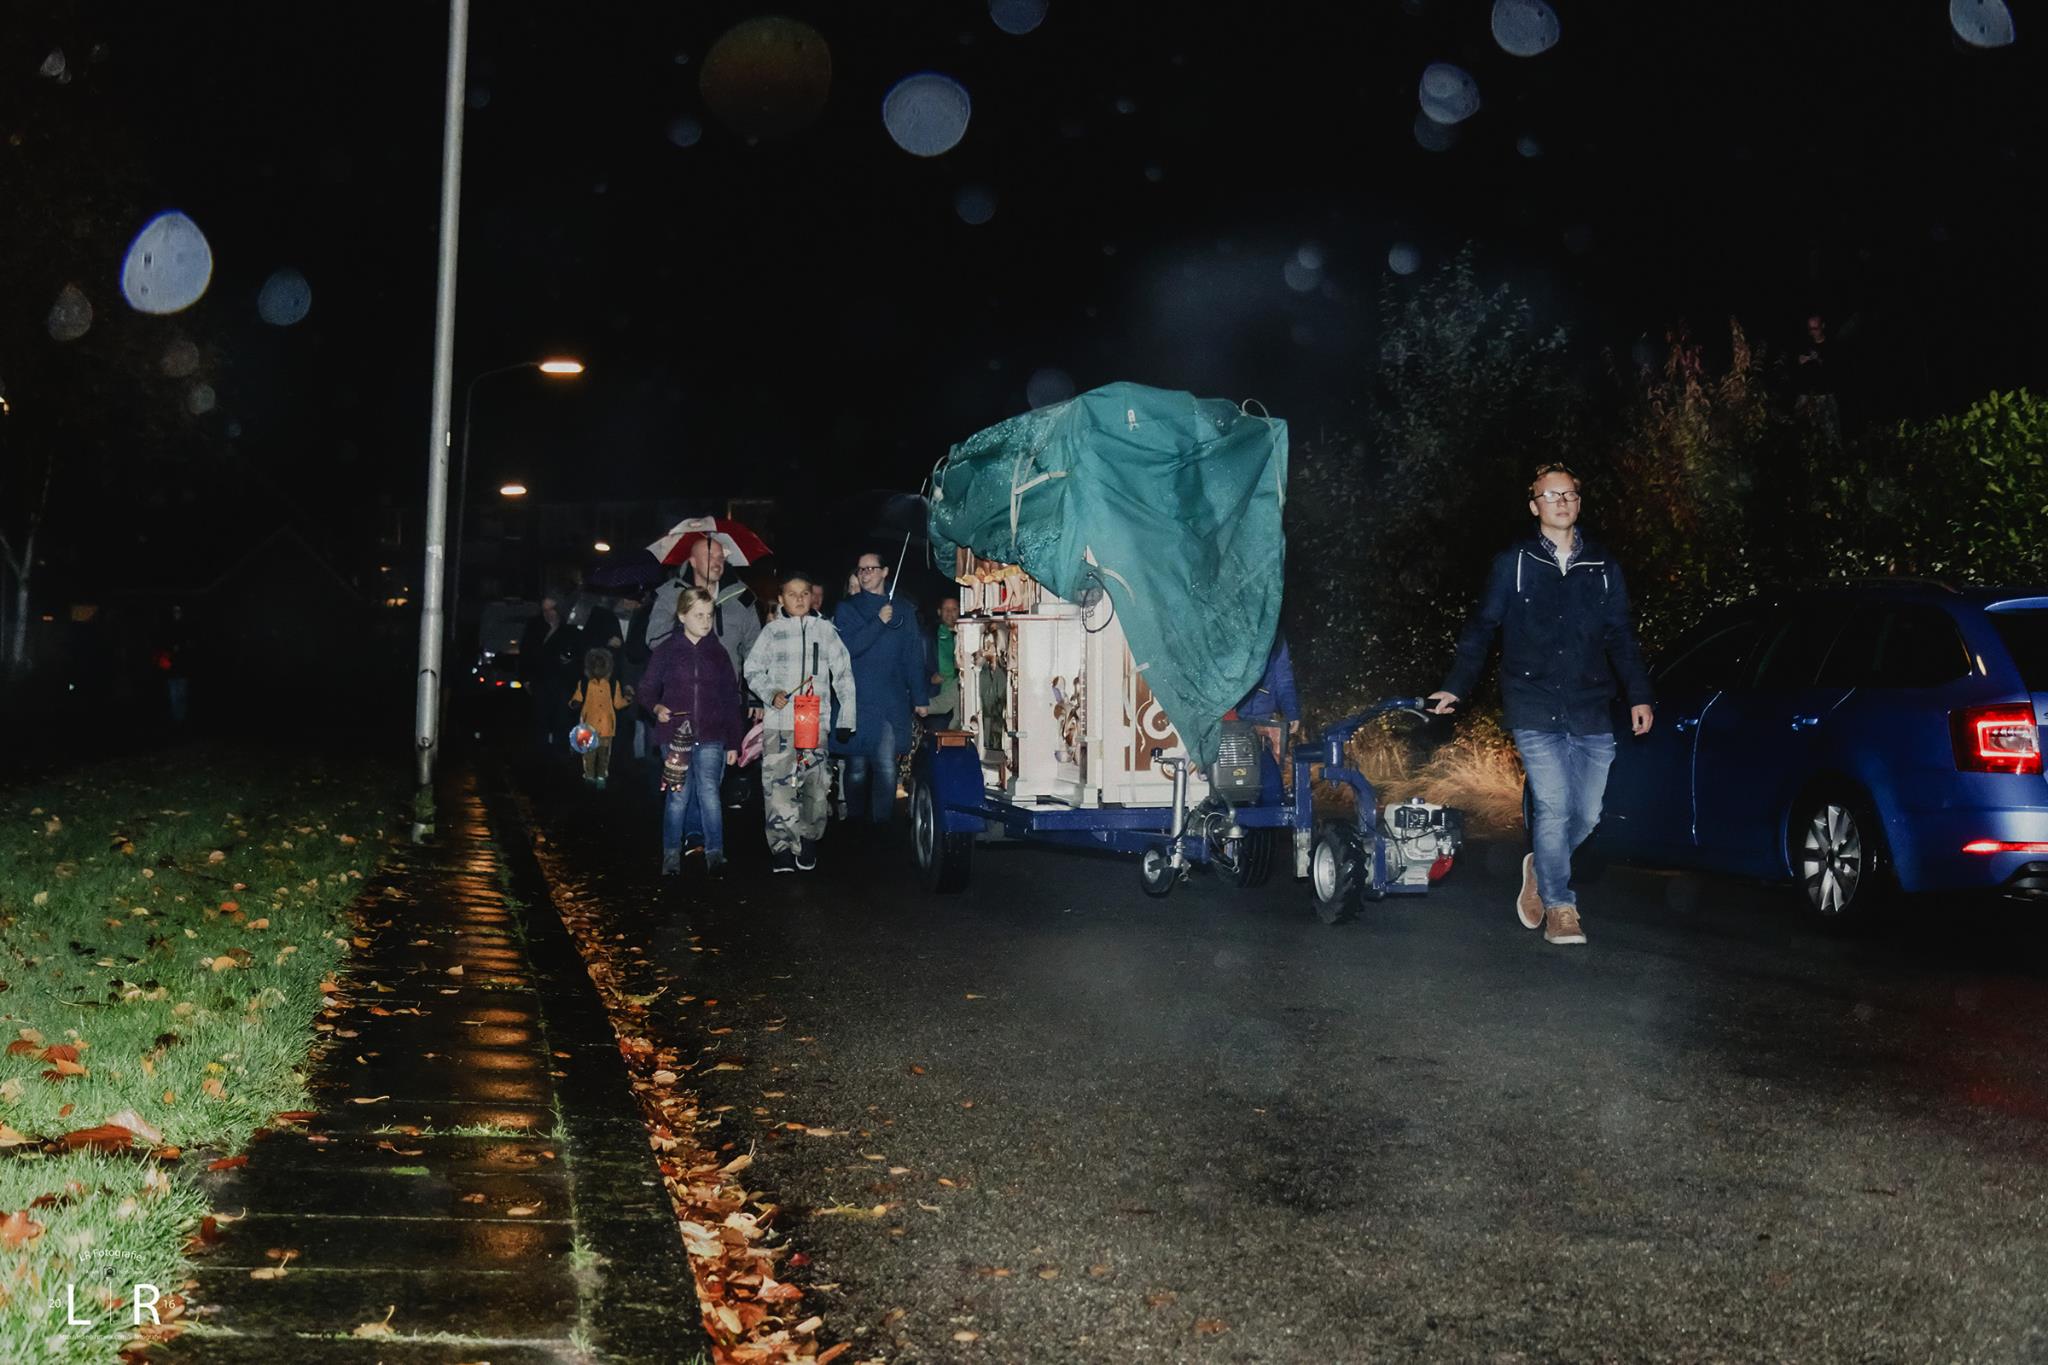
[1053, 1120]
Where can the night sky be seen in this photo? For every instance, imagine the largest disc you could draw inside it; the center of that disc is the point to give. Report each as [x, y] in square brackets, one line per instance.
[812, 313]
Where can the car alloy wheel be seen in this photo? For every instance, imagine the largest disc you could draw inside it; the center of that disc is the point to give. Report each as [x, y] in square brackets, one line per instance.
[1831, 860]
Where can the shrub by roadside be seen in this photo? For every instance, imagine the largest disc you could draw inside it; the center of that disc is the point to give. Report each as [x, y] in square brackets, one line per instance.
[164, 937]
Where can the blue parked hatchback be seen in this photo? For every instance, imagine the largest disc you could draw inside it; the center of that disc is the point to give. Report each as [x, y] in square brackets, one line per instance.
[1856, 739]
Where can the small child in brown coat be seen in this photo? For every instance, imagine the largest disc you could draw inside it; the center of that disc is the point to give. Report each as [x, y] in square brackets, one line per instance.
[600, 698]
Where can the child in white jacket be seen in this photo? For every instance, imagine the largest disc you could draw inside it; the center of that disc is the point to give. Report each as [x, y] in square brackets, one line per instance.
[798, 652]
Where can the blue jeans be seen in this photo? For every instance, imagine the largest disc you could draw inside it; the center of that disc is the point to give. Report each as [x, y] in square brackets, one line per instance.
[871, 768]
[695, 808]
[1567, 778]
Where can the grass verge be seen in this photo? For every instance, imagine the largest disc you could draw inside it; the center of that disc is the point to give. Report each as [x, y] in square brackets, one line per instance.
[164, 935]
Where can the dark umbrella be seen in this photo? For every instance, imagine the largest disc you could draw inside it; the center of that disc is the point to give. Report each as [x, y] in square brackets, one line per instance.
[636, 572]
[904, 516]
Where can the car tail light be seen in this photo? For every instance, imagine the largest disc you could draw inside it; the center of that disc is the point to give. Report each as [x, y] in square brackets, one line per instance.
[2004, 846]
[1996, 739]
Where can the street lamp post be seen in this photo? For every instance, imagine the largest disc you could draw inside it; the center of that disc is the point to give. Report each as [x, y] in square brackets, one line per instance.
[560, 367]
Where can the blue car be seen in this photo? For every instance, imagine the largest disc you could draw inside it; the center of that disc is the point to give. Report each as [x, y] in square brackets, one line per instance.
[1857, 740]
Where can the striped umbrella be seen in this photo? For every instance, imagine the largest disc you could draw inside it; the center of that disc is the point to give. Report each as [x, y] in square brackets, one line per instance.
[742, 546]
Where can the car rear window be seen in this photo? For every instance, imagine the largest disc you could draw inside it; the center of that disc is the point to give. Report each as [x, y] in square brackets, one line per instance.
[2026, 638]
[1903, 646]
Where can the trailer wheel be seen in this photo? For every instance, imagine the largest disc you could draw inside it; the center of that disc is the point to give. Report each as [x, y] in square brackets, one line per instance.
[1156, 872]
[1336, 874]
[1255, 858]
[944, 860]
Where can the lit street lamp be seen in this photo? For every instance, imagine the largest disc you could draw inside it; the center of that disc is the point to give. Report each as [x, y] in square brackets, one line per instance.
[558, 367]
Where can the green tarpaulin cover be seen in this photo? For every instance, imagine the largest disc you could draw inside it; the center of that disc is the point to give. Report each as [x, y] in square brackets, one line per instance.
[1171, 502]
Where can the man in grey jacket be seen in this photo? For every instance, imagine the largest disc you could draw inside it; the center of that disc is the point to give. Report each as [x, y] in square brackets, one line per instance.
[737, 622]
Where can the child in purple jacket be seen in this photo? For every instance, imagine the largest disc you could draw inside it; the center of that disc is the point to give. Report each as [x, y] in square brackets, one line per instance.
[690, 674]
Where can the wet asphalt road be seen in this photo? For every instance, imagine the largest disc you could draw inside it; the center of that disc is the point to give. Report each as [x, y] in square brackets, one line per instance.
[1214, 1129]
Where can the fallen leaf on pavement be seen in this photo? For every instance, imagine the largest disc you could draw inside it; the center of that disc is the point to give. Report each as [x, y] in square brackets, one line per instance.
[523, 1210]
[808, 1325]
[368, 1099]
[1161, 1298]
[107, 1137]
[1210, 1327]
[228, 1163]
[963, 1336]
[377, 1329]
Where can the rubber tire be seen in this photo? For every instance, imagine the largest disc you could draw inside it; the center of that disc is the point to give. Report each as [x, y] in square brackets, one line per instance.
[1156, 873]
[1336, 873]
[945, 861]
[1255, 853]
[1874, 884]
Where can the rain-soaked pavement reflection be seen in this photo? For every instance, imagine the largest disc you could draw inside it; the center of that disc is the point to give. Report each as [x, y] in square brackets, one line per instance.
[1086, 1125]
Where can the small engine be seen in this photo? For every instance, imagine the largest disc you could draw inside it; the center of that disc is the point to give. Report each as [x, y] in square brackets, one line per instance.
[1422, 840]
[1235, 775]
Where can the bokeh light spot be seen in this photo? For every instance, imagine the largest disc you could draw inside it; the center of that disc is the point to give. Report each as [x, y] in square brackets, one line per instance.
[975, 204]
[1302, 279]
[1048, 386]
[1448, 93]
[53, 65]
[477, 97]
[1528, 147]
[1981, 23]
[180, 360]
[767, 77]
[168, 265]
[285, 298]
[685, 131]
[71, 315]
[1017, 17]
[927, 114]
[1310, 254]
[1432, 136]
[1525, 28]
[1403, 259]
[199, 399]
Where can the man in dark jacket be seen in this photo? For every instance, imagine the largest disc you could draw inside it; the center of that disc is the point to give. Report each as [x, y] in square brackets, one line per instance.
[889, 677]
[550, 662]
[1558, 601]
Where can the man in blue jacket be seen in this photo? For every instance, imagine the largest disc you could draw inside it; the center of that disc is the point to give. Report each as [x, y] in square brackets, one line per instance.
[1558, 601]
[889, 678]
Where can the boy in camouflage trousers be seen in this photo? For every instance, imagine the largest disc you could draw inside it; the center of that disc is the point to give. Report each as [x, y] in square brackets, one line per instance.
[797, 650]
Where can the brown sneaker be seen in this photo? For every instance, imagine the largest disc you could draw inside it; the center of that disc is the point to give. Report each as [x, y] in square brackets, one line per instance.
[1529, 904]
[1561, 925]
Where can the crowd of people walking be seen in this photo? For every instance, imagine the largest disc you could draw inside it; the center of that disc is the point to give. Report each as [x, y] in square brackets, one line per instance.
[735, 711]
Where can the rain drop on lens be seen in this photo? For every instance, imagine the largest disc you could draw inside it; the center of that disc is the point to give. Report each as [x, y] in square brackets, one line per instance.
[53, 65]
[478, 97]
[975, 204]
[1300, 278]
[168, 265]
[180, 360]
[1448, 93]
[199, 399]
[1403, 259]
[685, 131]
[1528, 147]
[1432, 136]
[71, 315]
[1981, 23]
[285, 298]
[927, 114]
[1048, 386]
[1524, 28]
[1017, 17]
[1310, 255]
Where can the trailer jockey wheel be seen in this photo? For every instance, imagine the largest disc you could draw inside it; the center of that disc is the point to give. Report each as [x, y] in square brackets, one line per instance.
[1156, 872]
[1336, 873]
[944, 860]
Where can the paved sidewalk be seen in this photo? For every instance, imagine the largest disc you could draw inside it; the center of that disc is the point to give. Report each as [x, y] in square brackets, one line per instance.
[476, 1178]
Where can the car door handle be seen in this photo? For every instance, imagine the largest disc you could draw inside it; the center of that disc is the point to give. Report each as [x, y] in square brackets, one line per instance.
[1805, 722]
[1685, 723]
